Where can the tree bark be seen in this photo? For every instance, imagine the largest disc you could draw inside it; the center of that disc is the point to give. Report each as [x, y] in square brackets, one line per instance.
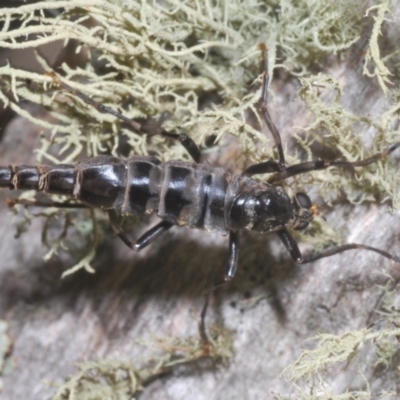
[272, 306]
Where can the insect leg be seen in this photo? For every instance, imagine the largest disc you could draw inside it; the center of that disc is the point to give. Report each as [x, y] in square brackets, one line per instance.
[98, 106]
[187, 142]
[345, 247]
[39, 203]
[228, 276]
[309, 166]
[144, 240]
[184, 139]
[262, 168]
[152, 234]
[290, 244]
[294, 251]
[231, 268]
[202, 324]
[264, 111]
[233, 257]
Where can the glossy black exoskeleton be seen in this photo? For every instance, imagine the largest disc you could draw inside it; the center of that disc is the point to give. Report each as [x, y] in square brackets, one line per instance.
[194, 195]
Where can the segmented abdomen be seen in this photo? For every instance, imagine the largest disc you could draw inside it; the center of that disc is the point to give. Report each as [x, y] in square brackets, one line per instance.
[179, 192]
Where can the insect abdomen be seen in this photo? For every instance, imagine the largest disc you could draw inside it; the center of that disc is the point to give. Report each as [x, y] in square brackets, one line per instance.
[58, 179]
[194, 195]
[182, 193]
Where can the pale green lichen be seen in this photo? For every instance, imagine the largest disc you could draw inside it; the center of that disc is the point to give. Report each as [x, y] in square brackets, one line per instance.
[337, 128]
[112, 379]
[167, 63]
[373, 56]
[165, 58]
[162, 59]
[333, 349]
[309, 374]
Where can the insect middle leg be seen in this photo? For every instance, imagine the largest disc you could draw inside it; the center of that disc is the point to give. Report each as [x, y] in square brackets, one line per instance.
[232, 265]
[230, 272]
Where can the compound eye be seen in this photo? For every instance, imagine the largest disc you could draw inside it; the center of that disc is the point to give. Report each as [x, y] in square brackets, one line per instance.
[303, 200]
[301, 226]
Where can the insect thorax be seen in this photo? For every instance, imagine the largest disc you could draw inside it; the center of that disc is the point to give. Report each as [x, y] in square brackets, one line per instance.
[257, 206]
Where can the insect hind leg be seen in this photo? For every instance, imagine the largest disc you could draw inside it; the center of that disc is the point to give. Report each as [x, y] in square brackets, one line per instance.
[44, 204]
[148, 237]
[183, 138]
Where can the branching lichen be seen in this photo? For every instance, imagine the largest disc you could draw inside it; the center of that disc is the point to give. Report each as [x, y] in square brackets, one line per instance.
[345, 132]
[166, 63]
[188, 66]
[111, 379]
[332, 349]
[373, 53]
[307, 373]
[161, 60]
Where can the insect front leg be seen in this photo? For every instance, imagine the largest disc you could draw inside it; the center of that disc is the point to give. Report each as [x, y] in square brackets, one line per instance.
[309, 166]
[292, 247]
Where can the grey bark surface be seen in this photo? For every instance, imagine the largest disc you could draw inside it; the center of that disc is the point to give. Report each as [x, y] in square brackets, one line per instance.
[272, 306]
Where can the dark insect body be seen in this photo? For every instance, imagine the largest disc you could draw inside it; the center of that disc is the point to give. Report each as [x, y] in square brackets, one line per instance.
[195, 195]
[181, 193]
